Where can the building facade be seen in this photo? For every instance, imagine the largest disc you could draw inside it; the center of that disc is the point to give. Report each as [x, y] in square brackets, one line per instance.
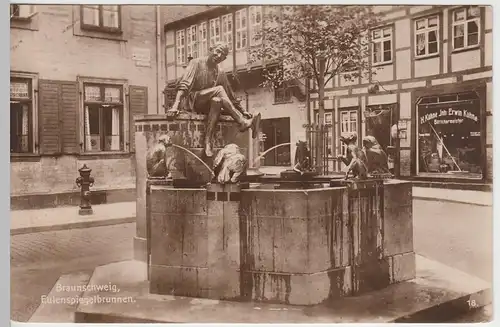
[283, 110]
[78, 75]
[430, 99]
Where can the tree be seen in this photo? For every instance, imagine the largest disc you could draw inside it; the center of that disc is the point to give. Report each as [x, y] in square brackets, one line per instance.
[315, 42]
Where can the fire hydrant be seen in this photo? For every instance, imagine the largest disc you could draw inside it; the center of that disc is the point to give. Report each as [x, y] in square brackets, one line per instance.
[85, 181]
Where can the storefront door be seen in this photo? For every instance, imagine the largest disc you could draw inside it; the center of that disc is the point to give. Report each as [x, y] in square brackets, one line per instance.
[380, 120]
[276, 131]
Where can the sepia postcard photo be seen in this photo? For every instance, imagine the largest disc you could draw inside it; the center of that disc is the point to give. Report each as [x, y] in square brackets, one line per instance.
[251, 163]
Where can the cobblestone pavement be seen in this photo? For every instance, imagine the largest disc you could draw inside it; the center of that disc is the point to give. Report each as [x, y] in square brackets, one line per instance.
[37, 260]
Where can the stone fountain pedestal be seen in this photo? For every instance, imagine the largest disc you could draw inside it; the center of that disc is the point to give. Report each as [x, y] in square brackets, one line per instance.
[254, 254]
[287, 246]
[188, 131]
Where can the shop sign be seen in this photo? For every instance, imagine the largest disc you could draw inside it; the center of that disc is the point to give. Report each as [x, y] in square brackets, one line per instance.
[453, 116]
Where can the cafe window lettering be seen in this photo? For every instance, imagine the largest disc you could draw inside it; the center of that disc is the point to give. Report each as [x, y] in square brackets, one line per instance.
[449, 130]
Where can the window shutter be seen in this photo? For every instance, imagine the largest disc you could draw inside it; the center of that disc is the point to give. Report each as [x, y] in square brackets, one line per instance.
[69, 115]
[138, 105]
[48, 116]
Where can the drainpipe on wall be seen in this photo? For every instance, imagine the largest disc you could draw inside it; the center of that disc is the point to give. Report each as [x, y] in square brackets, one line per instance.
[158, 62]
[308, 102]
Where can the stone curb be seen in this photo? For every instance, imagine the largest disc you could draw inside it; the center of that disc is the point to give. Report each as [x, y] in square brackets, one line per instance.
[72, 225]
[451, 201]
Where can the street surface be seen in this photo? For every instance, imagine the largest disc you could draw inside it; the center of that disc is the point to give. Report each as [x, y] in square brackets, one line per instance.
[37, 260]
[458, 235]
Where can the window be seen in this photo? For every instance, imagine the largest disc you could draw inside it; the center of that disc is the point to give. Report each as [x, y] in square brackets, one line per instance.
[466, 27]
[180, 46]
[101, 16]
[349, 72]
[241, 29]
[227, 30]
[348, 124]
[21, 118]
[382, 45]
[255, 24]
[214, 31]
[449, 135]
[103, 117]
[427, 36]
[282, 95]
[328, 121]
[192, 45]
[327, 118]
[22, 11]
[202, 39]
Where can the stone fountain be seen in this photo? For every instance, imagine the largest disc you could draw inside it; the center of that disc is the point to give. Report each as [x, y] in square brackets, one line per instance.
[269, 250]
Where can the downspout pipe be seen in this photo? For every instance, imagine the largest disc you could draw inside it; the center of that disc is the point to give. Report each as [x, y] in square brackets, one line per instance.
[159, 107]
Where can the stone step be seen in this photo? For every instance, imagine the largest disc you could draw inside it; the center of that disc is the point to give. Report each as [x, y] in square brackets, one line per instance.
[60, 304]
[438, 293]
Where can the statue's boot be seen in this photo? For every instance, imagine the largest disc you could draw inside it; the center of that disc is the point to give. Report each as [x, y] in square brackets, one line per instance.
[244, 123]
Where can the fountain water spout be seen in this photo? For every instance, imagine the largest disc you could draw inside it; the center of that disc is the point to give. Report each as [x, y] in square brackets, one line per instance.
[194, 155]
[268, 150]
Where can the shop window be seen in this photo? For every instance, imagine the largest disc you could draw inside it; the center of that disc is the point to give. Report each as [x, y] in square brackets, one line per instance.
[101, 17]
[466, 22]
[382, 46]
[426, 36]
[449, 132]
[21, 117]
[103, 117]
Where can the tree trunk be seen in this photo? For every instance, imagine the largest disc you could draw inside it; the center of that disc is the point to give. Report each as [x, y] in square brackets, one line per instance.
[321, 113]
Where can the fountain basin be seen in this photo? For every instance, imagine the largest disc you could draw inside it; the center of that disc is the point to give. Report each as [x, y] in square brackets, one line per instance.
[288, 246]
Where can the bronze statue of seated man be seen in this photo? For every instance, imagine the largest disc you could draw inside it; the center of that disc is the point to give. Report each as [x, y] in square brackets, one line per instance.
[208, 92]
